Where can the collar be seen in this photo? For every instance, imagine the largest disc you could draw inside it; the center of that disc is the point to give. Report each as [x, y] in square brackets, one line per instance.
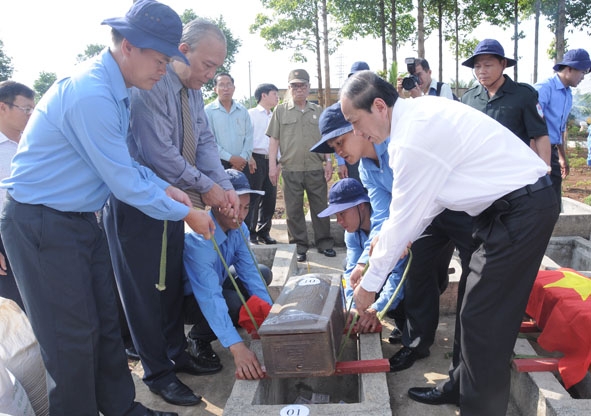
[557, 83]
[120, 90]
[262, 109]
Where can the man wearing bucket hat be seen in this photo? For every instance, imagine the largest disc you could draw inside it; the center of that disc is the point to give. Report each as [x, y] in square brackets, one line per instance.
[158, 139]
[207, 279]
[73, 155]
[556, 99]
[513, 104]
[427, 276]
[348, 200]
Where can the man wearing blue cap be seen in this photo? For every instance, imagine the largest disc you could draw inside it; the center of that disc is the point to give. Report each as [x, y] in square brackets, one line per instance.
[348, 200]
[207, 279]
[180, 148]
[556, 99]
[73, 155]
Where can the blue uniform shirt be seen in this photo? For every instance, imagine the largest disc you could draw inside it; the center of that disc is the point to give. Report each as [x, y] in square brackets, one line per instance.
[73, 152]
[556, 101]
[205, 274]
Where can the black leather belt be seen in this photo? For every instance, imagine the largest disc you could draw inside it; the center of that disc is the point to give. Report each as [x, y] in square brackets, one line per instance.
[542, 182]
[260, 155]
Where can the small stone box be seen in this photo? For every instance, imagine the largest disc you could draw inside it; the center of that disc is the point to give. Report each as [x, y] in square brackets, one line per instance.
[302, 334]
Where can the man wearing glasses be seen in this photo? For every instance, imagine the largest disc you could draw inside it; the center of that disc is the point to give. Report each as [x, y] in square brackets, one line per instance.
[17, 102]
[556, 99]
[293, 130]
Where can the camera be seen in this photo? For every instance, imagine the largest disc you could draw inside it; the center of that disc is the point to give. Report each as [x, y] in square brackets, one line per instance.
[411, 81]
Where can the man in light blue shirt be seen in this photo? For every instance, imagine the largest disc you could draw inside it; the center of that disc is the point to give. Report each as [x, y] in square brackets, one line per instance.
[556, 99]
[231, 125]
[348, 200]
[218, 302]
[72, 155]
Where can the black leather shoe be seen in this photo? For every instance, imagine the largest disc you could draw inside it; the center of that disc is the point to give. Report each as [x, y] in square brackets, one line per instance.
[199, 367]
[201, 350]
[395, 336]
[431, 395]
[177, 393]
[150, 412]
[329, 252]
[254, 239]
[302, 257]
[405, 358]
[267, 239]
[132, 354]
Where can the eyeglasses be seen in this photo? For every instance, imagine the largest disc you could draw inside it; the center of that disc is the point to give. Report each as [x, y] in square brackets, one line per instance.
[298, 86]
[225, 86]
[27, 110]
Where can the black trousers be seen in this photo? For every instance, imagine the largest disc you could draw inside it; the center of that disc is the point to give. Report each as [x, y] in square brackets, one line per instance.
[8, 287]
[427, 277]
[61, 264]
[511, 237]
[262, 207]
[556, 175]
[155, 317]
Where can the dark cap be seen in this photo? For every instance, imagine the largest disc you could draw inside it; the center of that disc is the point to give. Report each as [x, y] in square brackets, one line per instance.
[151, 25]
[575, 58]
[489, 47]
[343, 195]
[332, 124]
[240, 183]
[298, 75]
[358, 66]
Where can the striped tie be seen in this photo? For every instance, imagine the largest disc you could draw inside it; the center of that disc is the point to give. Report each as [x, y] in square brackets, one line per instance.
[189, 145]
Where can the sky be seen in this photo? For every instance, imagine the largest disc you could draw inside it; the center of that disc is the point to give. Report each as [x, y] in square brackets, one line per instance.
[47, 35]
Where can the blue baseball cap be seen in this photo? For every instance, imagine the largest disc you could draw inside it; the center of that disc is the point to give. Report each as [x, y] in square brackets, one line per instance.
[240, 183]
[151, 25]
[358, 66]
[343, 195]
[332, 124]
[489, 47]
[575, 58]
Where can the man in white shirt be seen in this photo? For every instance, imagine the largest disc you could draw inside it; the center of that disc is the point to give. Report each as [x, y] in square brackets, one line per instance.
[446, 157]
[17, 102]
[262, 208]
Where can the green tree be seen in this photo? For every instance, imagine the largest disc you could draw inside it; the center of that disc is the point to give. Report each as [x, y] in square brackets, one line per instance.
[563, 16]
[91, 50]
[6, 67]
[233, 45]
[42, 84]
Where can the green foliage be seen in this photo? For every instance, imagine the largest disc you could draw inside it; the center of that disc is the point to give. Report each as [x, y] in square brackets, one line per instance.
[91, 50]
[6, 67]
[587, 200]
[42, 84]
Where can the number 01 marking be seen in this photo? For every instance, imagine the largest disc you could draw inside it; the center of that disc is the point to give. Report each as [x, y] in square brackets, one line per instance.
[294, 410]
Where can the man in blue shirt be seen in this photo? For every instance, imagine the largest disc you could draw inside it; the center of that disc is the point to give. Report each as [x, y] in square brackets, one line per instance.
[157, 140]
[218, 301]
[348, 200]
[73, 154]
[556, 99]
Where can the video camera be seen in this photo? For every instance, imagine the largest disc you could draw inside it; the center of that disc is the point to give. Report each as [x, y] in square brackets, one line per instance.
[411, 81]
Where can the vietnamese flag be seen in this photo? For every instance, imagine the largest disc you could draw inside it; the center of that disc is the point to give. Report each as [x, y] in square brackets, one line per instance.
[560, 302]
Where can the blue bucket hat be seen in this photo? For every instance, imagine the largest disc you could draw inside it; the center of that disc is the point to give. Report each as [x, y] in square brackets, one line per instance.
[358, 66]
[151, 25]
[343, 195]
[489, 47]
[240, 183]
[332, 124]
[575, 58]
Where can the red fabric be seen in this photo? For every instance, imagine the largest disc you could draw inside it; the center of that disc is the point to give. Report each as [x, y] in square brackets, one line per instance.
[259, 309]
[560, 302]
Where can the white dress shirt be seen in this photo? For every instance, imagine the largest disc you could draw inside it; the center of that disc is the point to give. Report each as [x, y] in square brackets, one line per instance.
[7, 151]
[444, 154]
[260, 118]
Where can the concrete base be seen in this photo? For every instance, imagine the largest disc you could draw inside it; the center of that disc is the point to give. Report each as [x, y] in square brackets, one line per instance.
[259, 398]
[573, 252]
[574, 220]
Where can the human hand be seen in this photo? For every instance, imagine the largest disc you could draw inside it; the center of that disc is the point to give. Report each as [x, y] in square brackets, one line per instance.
[368, 322]
[215, 197]
[178, 195]
[200, 221]
[564, 168]
[238, 162]
[3, 266]
[234, 202]
[356, 275]
[363, 299]
[274, 171]
[247, 365]
[327, 171]
[343, 172]
[252, 165]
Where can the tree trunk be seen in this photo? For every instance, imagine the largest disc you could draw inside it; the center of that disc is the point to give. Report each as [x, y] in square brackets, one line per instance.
[440, 33]
[394, 33]
[538, 6]
[383, 36]
[327, 95]
[515, 37]
[457, 35]
[318, 59]
[421, 29]
[560, 29]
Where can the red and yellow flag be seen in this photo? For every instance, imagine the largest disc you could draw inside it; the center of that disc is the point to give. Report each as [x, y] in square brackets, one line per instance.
[560, 302]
